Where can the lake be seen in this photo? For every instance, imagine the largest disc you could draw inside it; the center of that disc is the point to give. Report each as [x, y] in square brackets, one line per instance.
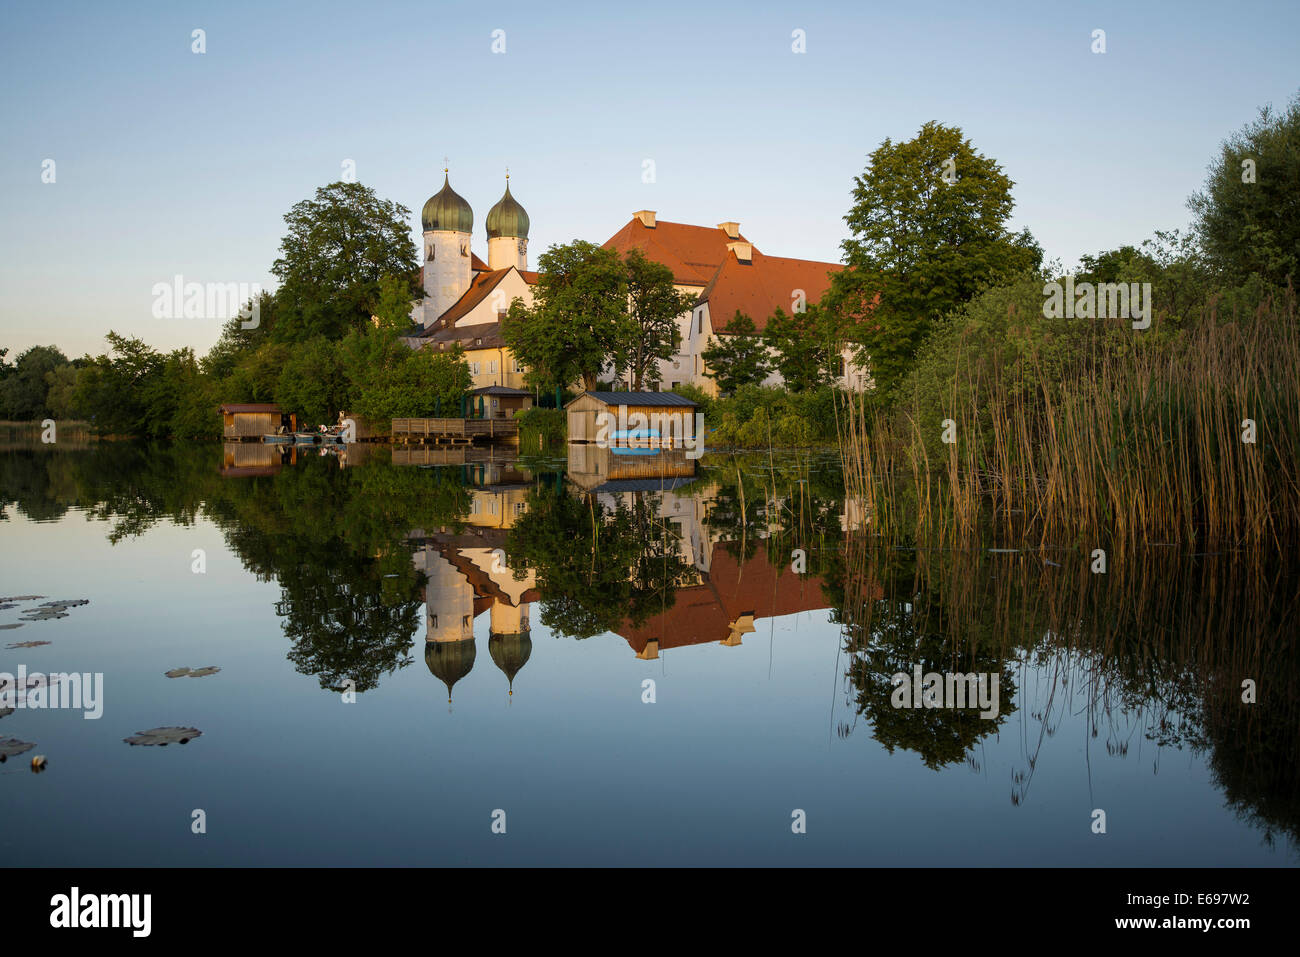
[434, 657]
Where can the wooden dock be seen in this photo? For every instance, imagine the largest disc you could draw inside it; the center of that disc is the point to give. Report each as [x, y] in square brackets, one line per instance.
[453, 431]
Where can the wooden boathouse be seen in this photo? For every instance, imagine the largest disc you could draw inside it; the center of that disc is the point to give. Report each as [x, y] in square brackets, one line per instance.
[647, 419]
[249, 421]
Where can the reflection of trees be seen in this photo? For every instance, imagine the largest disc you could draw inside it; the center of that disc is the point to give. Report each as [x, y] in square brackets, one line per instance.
[1155, 650]
[334, 539]
[909, 627]
[596, 566]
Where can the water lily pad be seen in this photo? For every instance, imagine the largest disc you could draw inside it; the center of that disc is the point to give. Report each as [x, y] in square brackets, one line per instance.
[65, 603]
[22, 598]
[5, 712]
[204, 672]
[25, 644]
[177, 672]
[11, 746]
[8, 627]
[162, 736]
[44, 614]
[6, 606]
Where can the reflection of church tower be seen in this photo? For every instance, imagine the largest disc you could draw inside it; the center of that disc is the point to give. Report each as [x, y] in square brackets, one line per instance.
[449, 661]
[449, 619]
[510, 653]
[448, 223]
[507, 229]
[510, 644]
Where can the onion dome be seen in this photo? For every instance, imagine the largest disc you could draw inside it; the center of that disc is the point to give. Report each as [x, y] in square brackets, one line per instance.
[447, 210]
[449, 660]
[507, 218]
[510, 653]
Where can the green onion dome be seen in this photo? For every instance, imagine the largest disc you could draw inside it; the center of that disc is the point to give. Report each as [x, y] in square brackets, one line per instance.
[447, 210]
[507, 218]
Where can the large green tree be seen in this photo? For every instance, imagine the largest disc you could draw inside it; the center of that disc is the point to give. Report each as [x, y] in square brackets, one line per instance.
[24, 390]
[806, 346]
[928, 226]
[738, 358]
[654, 304]
[1248, 212]
[339, 248]
[579, 321]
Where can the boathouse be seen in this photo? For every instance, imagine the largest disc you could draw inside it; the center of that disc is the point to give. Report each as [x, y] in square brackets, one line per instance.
[252, 420]
[655, 418]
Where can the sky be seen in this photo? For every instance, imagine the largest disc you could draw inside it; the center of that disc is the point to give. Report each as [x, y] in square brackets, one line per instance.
[170, 162]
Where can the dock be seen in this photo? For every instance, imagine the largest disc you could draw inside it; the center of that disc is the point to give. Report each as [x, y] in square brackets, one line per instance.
[455, 432]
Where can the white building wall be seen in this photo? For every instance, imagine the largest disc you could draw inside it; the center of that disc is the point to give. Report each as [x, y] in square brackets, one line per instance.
[507, 251]
[446, 271]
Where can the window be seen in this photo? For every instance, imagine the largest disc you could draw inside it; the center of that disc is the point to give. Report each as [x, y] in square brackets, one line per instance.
[464, 621]
[699, 316]
[473, 368]
[492, 367]
[675, 384]
[433, 620]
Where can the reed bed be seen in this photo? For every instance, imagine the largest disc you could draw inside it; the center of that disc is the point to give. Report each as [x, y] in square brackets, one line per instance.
[1144, 442]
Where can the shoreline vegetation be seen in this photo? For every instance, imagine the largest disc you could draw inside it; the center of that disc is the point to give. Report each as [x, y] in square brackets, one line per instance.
[1019, 430]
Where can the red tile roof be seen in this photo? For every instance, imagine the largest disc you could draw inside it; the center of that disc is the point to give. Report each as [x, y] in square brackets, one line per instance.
[757, 288]
[693, 253]
[480, 287]
[704, 613]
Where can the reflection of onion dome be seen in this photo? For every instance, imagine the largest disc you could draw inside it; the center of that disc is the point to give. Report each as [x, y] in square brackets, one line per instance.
[449, 660]
[510, 653]
[507, 218]
[447, 210]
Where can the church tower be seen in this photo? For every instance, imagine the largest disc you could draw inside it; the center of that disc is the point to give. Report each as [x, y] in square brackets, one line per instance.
[448, 224]
[507, 229]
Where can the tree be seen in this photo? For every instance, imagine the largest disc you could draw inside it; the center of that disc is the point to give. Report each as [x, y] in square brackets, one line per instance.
[739, 357]
[393, 308]
[653, 305]
[579, 319]
[236, 342]
[339, 247]
[23, 392]
[928, 222]
[387, 379]
[806, 347]
[1248, 213]
[114, 390]
[312, 383]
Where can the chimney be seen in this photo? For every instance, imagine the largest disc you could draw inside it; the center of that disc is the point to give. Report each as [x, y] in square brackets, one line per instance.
[744, 251]
[647, 217]
[731, 229]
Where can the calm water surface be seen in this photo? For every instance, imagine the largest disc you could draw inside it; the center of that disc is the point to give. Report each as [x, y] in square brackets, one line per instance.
[507, 623]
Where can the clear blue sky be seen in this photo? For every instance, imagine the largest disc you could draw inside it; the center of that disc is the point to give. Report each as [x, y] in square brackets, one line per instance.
[173, 162]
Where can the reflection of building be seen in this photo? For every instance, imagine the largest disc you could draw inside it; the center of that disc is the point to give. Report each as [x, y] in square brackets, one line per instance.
[246, 459]
[726, 605]
[616, 479]
[467, 576]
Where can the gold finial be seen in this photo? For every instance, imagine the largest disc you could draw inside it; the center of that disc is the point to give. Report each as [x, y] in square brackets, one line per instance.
[446, 165]
[507, 174]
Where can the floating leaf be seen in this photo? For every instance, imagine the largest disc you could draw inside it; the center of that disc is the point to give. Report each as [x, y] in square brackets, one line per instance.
[204, 672]
[25, 644]
[162, 736]
[65, 603]
[7, 627]
[4, 712]
[22, 598]
[177, 672]
[11, 746]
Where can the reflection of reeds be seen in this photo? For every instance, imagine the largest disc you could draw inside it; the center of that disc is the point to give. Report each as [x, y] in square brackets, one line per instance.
[1157, 650]
[1138, 444]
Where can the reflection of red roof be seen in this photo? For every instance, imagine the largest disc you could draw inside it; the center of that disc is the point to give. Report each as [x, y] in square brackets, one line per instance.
[693, 253]
[759, 287]
[705, 613]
